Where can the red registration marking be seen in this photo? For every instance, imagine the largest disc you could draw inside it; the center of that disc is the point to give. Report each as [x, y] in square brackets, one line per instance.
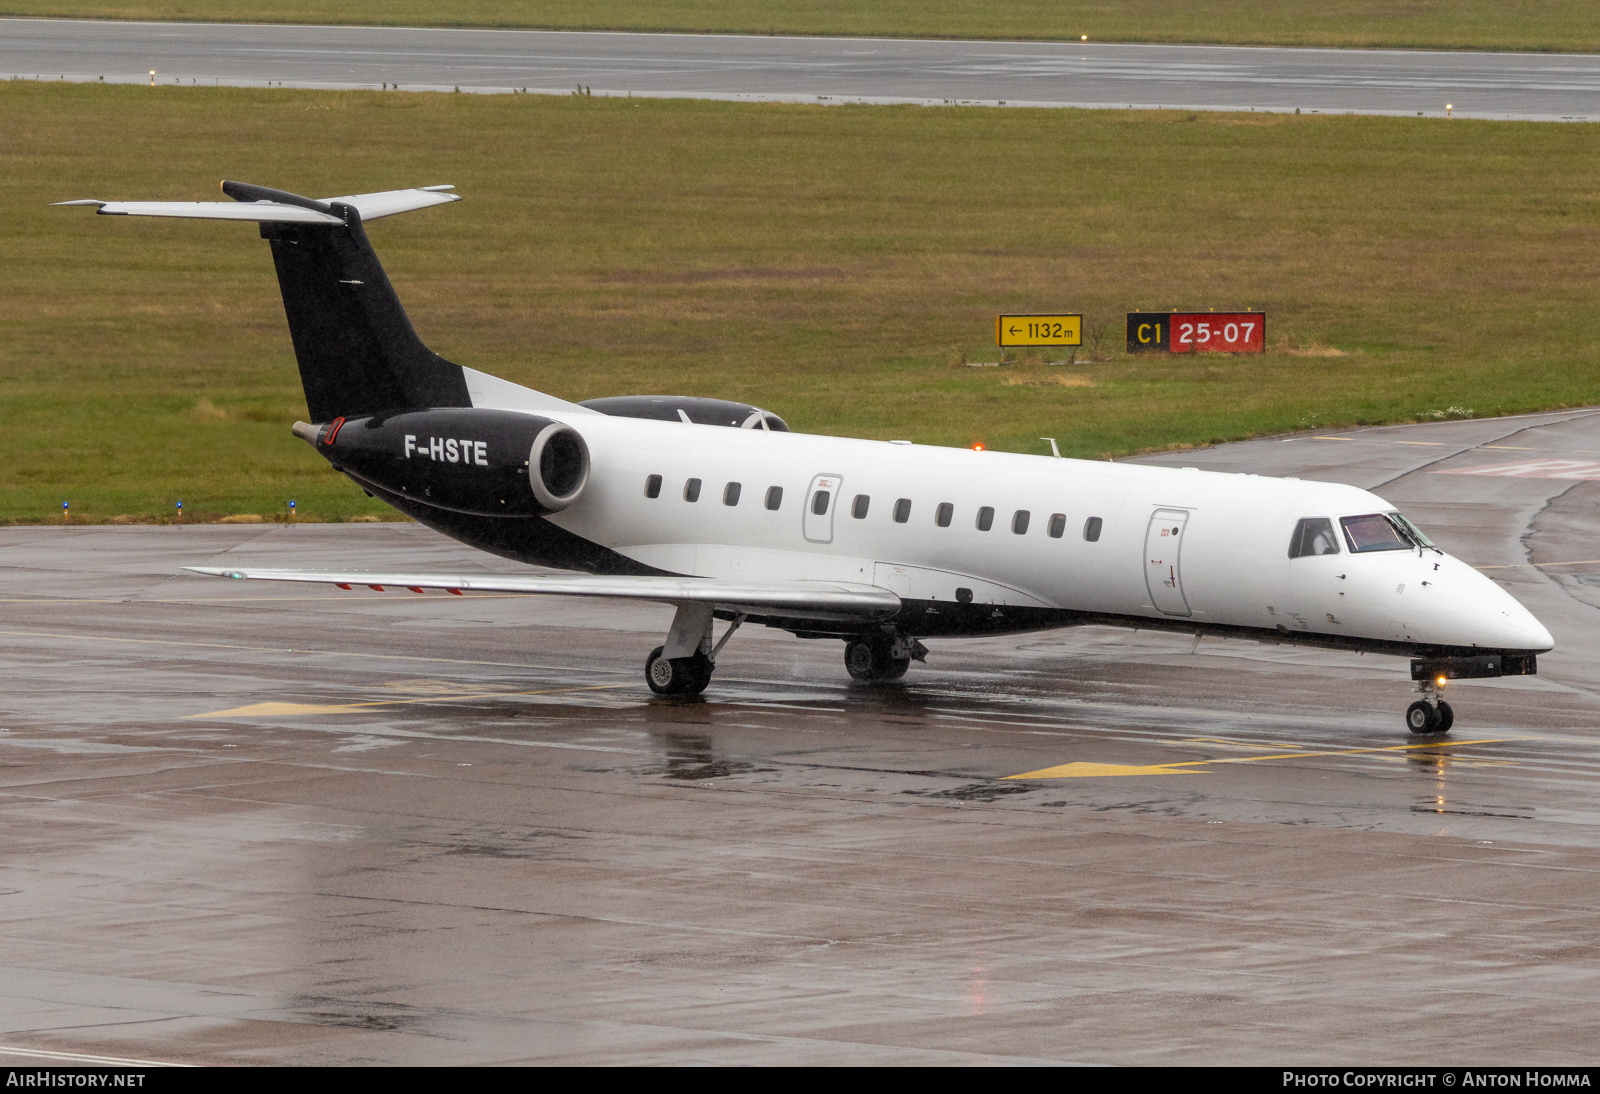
[1218, 332]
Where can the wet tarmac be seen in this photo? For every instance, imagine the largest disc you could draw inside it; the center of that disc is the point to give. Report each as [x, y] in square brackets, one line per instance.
[289, 825]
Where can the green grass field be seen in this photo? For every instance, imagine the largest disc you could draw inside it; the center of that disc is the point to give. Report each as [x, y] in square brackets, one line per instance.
[1563, 25]
[834, 264]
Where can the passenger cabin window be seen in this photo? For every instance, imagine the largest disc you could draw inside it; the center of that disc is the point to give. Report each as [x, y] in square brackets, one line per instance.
[1091, 529]
[730, 493]
[1058, 525]
[902, 510]
[774, 497]
[986, 518]
[1374, 532]
[652, 486]
[691, 490]
[1313, 536]
[819, 503]
[1019, 522]
[858, 508]
[943, 514]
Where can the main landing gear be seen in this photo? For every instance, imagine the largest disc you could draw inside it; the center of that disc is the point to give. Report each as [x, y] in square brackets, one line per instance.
[876, 657]
[684, 665]
[1430, 714]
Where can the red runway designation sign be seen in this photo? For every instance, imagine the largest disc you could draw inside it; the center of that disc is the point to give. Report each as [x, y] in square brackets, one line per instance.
[1200, 332]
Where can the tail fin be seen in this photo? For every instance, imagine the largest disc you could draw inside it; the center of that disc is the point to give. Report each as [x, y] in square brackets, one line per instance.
[357, 350]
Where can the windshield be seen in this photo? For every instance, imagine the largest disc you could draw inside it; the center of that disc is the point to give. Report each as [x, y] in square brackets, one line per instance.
[1411, 529]
[1374, 532]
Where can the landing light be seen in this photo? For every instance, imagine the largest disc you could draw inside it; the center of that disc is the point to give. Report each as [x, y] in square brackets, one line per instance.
[977, 448]
[1441, 680]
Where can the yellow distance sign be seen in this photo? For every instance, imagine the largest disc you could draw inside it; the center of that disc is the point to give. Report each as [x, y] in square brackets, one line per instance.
[1038, 330]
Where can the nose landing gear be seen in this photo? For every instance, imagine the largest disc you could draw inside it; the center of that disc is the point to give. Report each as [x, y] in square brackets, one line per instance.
[1430, 714]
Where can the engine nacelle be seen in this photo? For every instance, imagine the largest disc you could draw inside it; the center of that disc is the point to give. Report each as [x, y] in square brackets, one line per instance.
[485, 462]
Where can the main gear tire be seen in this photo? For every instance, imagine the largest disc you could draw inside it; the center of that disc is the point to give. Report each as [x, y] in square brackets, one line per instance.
[677, 675]
[871, 660]
[861, 661]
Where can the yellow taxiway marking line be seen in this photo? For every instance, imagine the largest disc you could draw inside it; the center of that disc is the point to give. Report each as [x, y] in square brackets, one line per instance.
[280, 710]
[1429, 444]
[1507, 447]
[1333, 438]
[1082, 770]
[1539, 565]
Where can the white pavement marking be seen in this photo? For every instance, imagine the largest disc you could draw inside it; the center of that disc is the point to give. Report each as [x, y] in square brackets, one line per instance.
[85, 1058]
[1532, 469]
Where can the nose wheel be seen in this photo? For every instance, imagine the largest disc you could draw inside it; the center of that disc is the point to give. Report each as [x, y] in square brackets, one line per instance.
[1429, 715]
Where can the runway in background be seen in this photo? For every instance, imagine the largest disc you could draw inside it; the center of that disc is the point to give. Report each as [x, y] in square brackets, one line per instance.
[1484, 85]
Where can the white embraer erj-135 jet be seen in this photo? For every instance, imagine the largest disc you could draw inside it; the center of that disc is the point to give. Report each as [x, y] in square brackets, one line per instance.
[719, 509]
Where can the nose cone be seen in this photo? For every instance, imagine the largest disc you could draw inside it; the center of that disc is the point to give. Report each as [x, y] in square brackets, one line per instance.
[1496, 619]
[1519, 630]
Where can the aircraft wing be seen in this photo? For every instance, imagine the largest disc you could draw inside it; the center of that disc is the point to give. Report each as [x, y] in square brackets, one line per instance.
[822, 600]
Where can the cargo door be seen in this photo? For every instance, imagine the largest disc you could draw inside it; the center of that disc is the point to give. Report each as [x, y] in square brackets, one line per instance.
[1163, 574]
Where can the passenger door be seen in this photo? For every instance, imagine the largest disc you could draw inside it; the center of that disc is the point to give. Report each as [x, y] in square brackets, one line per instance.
[1163, 546]
[821, 500]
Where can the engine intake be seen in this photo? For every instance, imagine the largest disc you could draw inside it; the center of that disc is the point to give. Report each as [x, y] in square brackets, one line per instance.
[467, 460]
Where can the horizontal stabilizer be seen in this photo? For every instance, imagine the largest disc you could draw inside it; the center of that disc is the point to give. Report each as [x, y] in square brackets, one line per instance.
[370, 206]
[829, 600]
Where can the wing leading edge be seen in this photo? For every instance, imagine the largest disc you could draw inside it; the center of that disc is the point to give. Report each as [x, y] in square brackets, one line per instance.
[821, 600]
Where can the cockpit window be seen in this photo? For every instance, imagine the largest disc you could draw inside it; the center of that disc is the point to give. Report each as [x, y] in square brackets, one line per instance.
[1411, 529]
[1374, 532]
[1313, 536]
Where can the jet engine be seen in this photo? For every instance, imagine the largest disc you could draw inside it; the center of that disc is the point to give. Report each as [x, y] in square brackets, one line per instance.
[484, 462]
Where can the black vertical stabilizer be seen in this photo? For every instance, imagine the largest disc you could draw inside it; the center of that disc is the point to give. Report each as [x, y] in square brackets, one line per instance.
[357, 350]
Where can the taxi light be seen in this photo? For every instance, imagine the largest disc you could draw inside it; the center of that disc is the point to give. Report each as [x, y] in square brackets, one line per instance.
[1440, 680]
[977, 448]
